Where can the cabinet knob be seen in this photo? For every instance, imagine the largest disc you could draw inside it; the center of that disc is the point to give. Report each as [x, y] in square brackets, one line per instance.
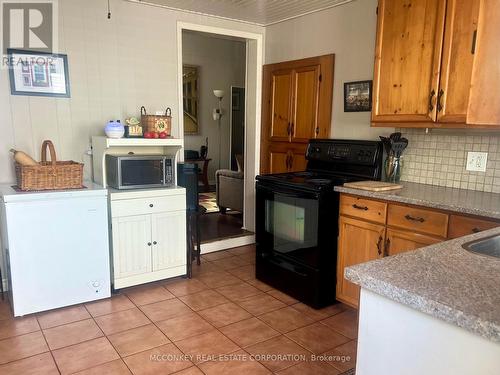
[155, 243]
[149, 243]
[151, 205]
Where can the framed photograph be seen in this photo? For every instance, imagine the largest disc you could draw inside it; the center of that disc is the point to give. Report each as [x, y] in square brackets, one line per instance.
[38, 73]
[358, 96]
[190, 99]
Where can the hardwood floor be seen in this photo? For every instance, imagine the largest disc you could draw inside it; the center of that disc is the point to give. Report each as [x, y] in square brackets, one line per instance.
[216, 226]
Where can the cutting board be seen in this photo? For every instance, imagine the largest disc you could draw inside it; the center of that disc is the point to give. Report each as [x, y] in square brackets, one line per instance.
[373, 185]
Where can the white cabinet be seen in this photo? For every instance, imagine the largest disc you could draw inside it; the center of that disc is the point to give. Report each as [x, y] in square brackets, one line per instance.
[149, 235]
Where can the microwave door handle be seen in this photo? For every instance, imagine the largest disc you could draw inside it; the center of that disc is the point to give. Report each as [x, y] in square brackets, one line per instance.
[164, 171]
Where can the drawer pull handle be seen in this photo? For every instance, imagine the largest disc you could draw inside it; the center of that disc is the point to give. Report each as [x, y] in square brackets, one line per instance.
[151, 205]
[411, 218]
[364, 208]
[379, 244]
[476, 230]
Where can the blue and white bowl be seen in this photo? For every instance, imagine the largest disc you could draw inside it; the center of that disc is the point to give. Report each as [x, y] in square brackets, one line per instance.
[114, 129]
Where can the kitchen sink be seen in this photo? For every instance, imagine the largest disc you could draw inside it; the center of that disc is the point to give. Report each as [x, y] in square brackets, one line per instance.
[487, 246]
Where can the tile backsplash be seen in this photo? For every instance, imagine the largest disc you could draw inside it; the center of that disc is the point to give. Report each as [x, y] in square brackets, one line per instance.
[439, 158]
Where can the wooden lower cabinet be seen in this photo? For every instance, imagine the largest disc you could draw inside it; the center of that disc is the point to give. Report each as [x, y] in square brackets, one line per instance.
[359, 241]
[282, 157]
[399, 241]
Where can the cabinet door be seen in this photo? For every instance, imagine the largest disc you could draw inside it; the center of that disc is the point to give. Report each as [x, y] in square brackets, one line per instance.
[458, 58]
[359, 241]
[131, 245]
[281, 94]
[279, 158]
[305, 103]
[169, 240]
[407, 60]
[298, 161]
[484, 99]
[401, 241]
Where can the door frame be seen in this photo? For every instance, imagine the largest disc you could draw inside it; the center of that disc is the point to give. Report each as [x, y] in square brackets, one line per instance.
[253, 104]
[231, 121]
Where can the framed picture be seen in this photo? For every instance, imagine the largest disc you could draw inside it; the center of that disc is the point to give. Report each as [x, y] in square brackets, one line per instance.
[190, 99]
[38, 73]
[358, 96]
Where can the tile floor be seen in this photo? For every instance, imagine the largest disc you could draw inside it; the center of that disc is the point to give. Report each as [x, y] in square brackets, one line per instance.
[223, 321]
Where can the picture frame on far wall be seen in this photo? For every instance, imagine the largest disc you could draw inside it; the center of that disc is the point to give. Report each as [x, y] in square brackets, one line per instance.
[35, 73]
[358, 96]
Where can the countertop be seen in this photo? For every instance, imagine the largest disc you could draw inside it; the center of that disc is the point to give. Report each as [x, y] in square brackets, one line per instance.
[9, 194]
[442, 280]
[449, 199]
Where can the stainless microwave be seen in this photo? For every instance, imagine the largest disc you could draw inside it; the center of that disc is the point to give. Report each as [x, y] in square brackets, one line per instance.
[139, 171]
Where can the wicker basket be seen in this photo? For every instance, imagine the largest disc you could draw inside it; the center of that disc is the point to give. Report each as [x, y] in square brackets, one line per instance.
[156, 123]
[49, 175]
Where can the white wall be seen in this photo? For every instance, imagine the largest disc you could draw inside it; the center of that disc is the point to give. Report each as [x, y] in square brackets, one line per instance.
[349, 32]
[115, 66]
[221, 64]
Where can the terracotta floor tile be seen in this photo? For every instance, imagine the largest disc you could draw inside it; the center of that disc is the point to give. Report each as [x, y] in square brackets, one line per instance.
[190, 371]
[41, 364]
[345, 323]
[244, 272]
[250, 257]
[184, 326]
[165, 309]
[208, 344]
[109, 305]
[343, 356]
[62, 316]
[283, 297]
[231, 262]
[321, 313]
[184, 287]
[259, 284]
[286, 319]
[317, 338]
[148, 294]
[280, 345]
[216, 255]
[310, 368]
[261, 304]
[18, 326]
[116, 367]
[249, 332]
[248, 249]
[72, 333]
[137, 340]
[218, 279]
[224, 314]
[235, 363]
[204, 300]
[121, 321]
[84, 355]
[205, 268]
[165, 359]
[23, 346]
[238, 291]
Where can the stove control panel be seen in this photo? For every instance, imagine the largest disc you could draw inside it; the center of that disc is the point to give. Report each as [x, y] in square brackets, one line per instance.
[344, 152]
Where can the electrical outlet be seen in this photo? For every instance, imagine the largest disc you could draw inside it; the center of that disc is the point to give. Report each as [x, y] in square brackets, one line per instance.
[476, 161]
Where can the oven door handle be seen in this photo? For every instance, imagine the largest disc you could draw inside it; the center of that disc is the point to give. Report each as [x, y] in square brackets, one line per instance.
[288, 193]
[286, 266]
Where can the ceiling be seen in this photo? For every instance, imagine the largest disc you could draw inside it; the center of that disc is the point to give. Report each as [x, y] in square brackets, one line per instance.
[259, 12]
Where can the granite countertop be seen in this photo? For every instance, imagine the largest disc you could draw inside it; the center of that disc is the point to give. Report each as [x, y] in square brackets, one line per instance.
[449, 199]
[442, 280]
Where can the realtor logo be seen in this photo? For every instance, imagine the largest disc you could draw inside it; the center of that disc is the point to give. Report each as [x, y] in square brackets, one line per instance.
[29, 25]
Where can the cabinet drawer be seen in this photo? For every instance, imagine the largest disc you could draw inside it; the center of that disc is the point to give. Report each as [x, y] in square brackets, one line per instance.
[464, 225]
[418, 219]
[365, 209]
[143, 206]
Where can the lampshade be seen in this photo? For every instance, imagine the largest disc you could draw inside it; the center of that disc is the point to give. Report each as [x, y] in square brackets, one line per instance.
[219, 93]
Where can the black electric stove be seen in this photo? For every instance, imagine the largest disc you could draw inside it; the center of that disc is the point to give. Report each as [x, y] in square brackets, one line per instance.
[297, 218]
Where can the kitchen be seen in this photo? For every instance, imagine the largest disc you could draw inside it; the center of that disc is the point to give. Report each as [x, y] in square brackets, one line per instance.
[223, 303]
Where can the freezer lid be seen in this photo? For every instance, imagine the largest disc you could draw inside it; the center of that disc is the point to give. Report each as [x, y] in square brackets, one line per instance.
[8, 194]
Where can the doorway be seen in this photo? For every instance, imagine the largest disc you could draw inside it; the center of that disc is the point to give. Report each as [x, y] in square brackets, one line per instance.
[237, 126]
[249, 126]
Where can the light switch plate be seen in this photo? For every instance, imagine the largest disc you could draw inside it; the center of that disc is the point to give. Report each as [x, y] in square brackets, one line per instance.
[476, 161]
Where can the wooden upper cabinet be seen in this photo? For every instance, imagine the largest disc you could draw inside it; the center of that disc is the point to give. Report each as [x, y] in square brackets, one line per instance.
[457, 61]
[305, 99]
[484, 100]
[281, 102]
[407, 60]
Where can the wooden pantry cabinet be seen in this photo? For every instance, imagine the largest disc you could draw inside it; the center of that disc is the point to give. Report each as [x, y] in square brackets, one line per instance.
[371, 229]
[435, 61]
[296, 106]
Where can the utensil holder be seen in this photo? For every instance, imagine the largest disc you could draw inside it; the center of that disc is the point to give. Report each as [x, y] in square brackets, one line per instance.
[393, 168]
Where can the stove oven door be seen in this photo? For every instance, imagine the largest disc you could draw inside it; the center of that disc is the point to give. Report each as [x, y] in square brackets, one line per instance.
[287, 224]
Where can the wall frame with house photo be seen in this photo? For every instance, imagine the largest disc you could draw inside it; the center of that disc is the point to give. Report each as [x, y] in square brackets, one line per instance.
[358, 96]
[38, 73]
